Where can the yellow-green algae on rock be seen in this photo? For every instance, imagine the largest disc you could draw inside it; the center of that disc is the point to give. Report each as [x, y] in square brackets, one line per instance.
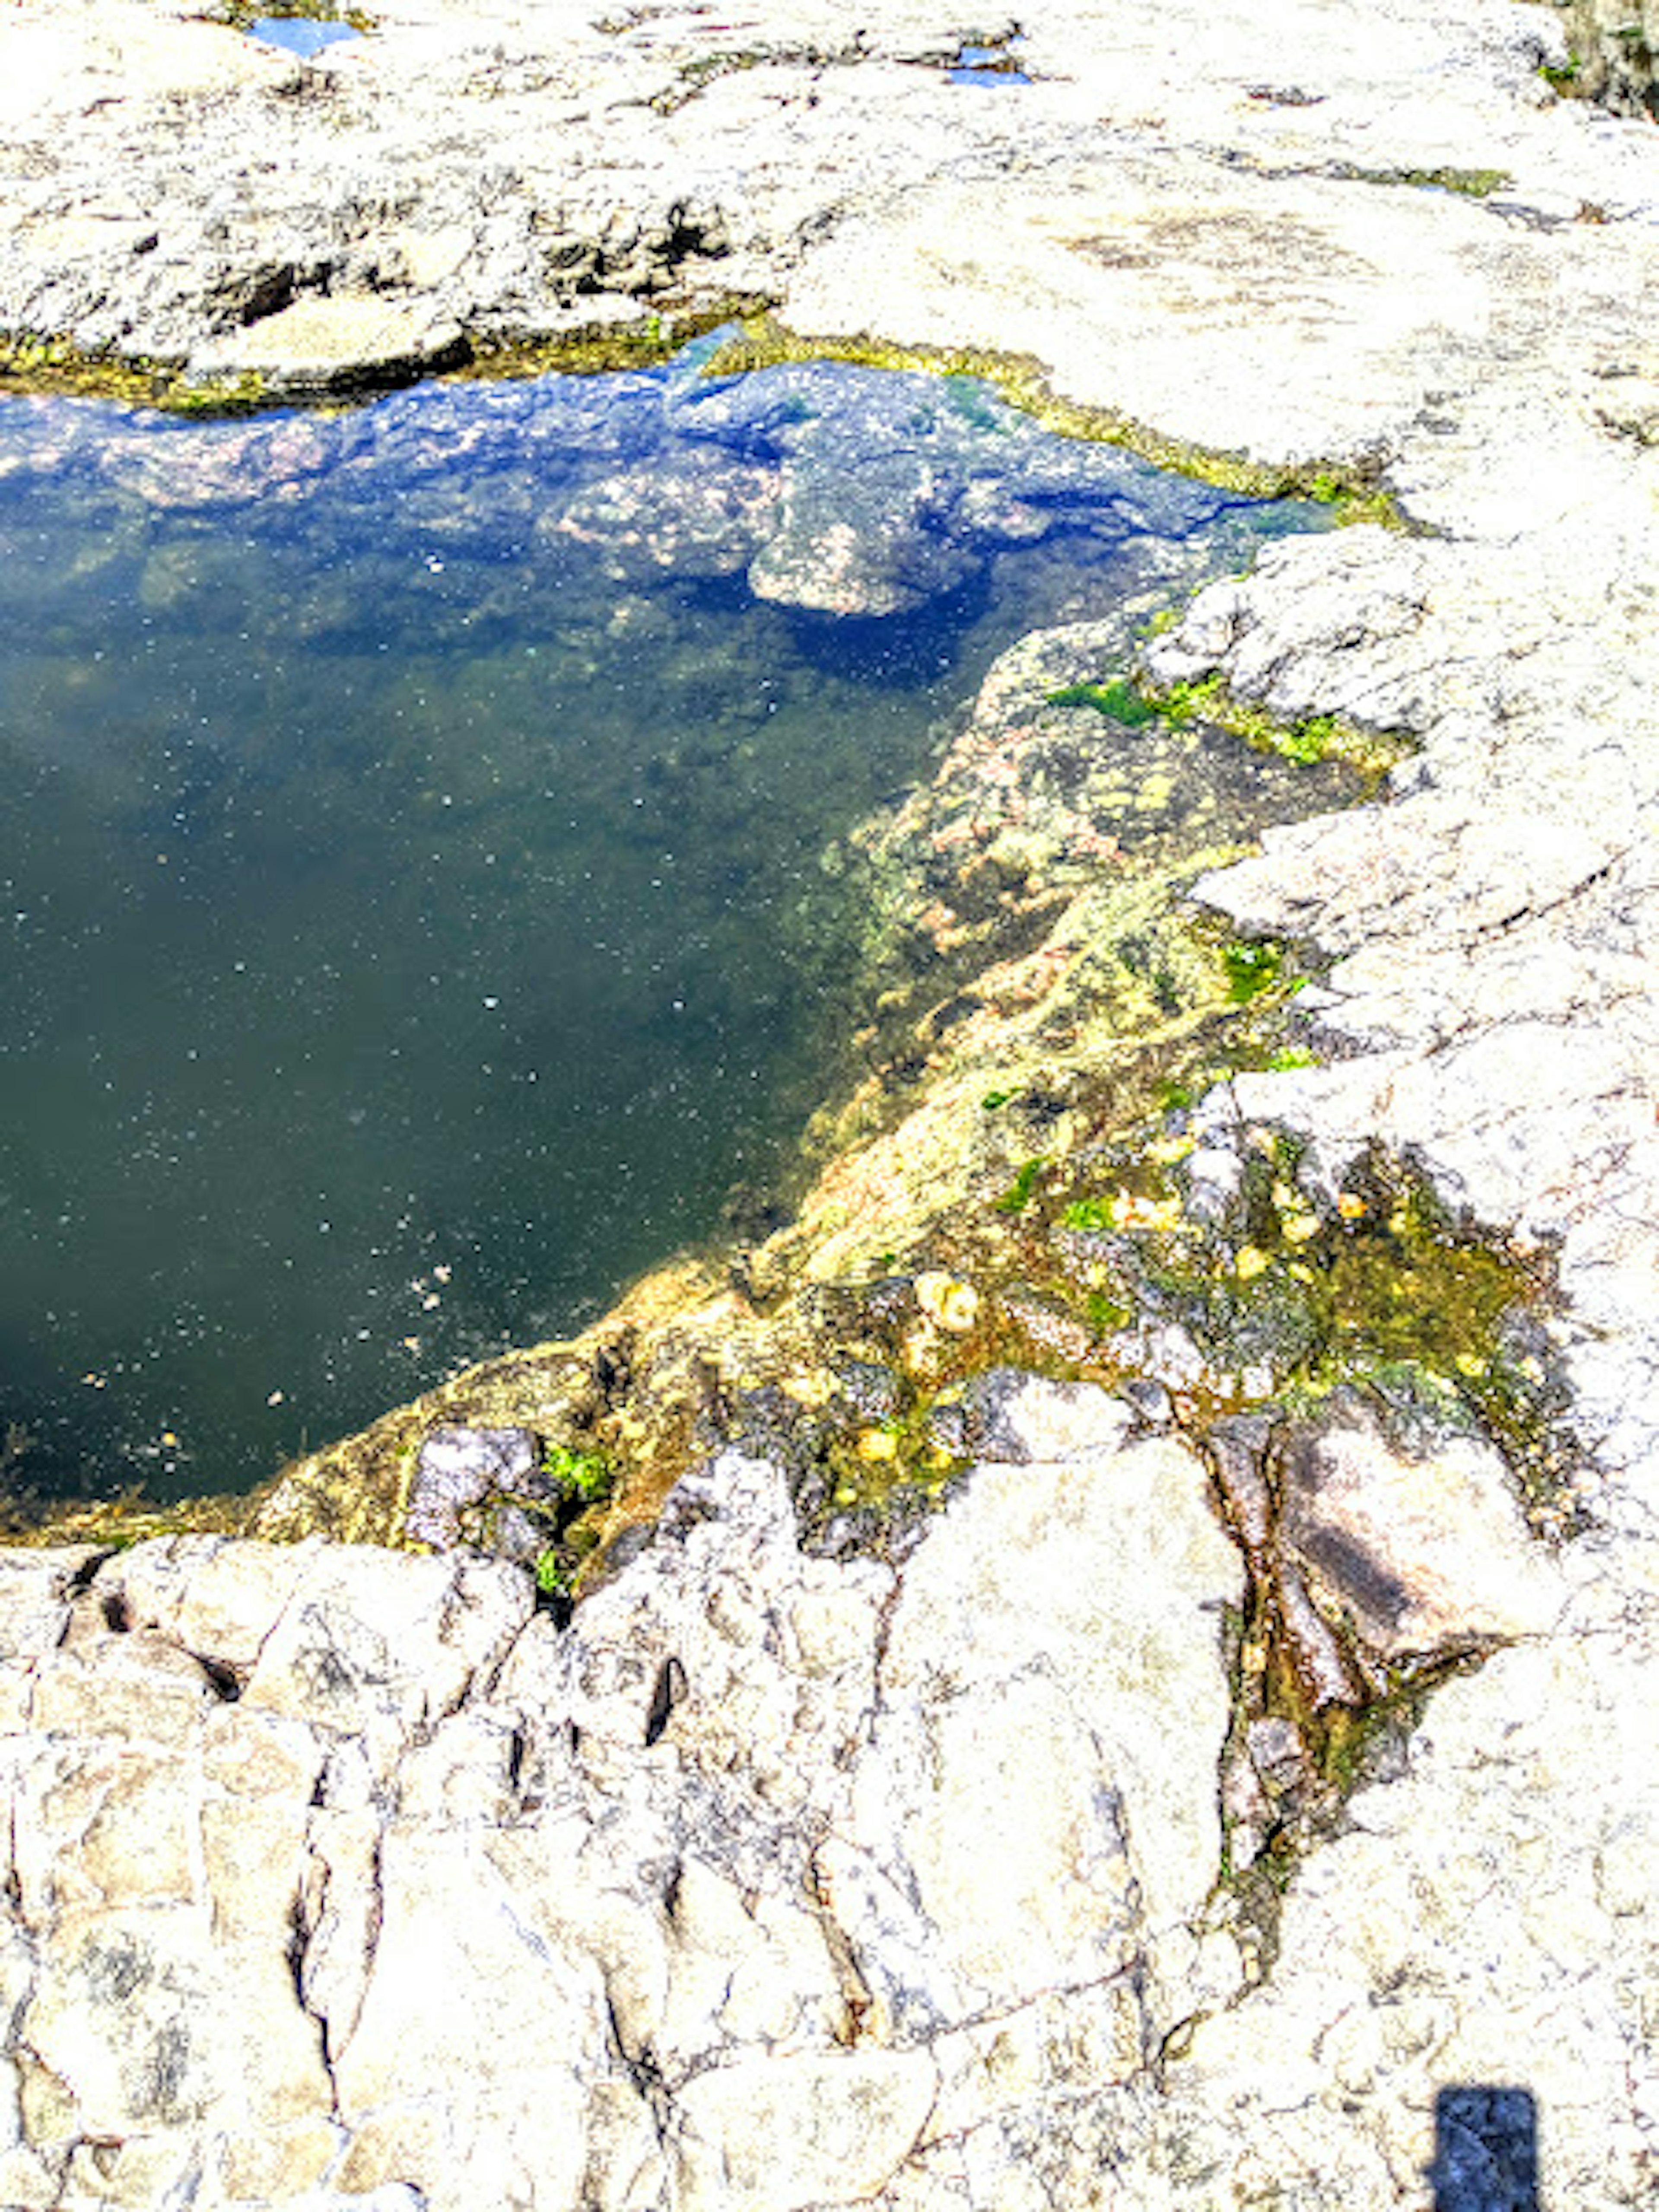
[1353, 492]
[47, 362]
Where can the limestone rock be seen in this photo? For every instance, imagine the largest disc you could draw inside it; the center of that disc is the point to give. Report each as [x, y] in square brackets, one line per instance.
[989, 1764]
[458, 1468]
[1426, 1552]
[901, 1841]
[337, 342]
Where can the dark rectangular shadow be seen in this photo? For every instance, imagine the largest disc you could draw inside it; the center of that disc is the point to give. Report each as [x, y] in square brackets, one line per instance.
[1486, 2150]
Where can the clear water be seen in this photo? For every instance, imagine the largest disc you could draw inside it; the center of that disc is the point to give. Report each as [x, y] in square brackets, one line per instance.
[300, 35]
[988, 65]
[409, 858]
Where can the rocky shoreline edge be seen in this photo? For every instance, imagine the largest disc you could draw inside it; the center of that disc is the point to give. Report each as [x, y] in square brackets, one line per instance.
[1062, 1737]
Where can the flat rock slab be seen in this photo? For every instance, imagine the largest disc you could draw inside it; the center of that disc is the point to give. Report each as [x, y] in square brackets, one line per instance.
[325, 345]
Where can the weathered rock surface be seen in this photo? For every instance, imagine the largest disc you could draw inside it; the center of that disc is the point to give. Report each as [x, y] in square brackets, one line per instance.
[337, 1876]
[1427, 1552]
[906, 1901]
[518, 171]
[760, 1884]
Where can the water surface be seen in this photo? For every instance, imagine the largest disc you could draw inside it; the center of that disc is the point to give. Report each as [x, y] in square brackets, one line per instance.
[410, 857]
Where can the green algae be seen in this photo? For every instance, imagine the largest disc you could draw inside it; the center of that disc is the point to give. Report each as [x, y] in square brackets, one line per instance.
[1466, 184]
[585, 1482]
[1119, 699]
[1311, 738]
[1251, 970]
[585, 1476]
[1019, 1193]
[40, 361]
[1294, 1296]
[47, 362]
[600, 349]
[1134, 702]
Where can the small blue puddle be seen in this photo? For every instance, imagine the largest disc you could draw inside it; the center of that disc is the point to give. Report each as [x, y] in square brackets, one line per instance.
[411, 882]
[297, 34]
[987, 65]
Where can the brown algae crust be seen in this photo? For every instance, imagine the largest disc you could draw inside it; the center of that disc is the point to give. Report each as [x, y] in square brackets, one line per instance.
[32, 363]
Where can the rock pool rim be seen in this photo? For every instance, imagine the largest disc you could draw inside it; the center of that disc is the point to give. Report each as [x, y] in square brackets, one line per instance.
[91, 428]
[33, 363]
[760, 344]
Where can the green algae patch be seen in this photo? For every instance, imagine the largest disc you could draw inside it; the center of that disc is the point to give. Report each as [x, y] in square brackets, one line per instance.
[1252, 969]
[1119, 699]
[1566, 78]
[1466, 184]
[37, 361]
[584, 1483]
[1133, 703]
[646, 342]
[765, 343]
[1291, 1295]
[1312, 739]
[1022, 1190]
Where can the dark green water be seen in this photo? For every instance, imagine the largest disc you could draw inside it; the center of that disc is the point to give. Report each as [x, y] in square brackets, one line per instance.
[409, 853]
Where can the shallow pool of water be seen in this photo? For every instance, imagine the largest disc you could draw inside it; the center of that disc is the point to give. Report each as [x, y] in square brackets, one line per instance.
[409, 854]
[300, 35]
